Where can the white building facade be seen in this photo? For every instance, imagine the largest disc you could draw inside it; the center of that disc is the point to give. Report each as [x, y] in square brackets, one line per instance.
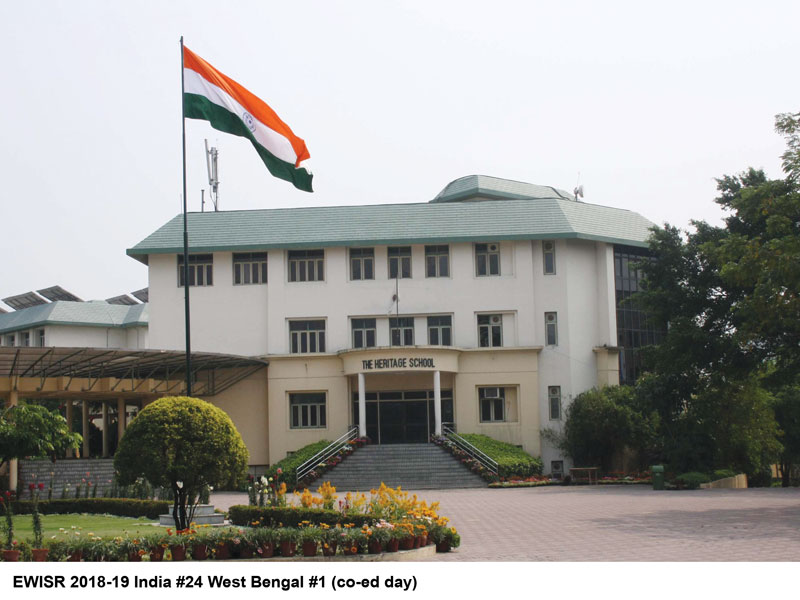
[486, 310]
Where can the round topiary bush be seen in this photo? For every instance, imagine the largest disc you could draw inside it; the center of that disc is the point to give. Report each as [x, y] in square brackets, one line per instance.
[181, 443]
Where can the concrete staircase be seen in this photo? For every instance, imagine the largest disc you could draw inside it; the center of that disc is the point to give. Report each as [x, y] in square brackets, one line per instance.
[204, 515]
[413, 466]
[72, 471]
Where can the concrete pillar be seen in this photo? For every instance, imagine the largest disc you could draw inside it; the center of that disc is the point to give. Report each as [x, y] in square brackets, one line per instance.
[105, 428]
[362, 406]
[85, 427]
[13, 465]
[68, 405]
[121, 416]
[437, 402]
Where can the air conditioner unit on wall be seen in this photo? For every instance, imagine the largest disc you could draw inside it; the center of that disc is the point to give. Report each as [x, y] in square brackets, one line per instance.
[491, 392]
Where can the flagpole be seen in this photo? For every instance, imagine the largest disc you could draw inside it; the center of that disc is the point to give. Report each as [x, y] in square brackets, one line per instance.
[185, 244]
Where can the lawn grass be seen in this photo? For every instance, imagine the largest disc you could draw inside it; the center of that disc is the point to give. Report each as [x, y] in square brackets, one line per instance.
[100, 525]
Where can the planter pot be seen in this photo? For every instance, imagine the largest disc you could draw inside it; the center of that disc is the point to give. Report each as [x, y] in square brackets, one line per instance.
[329, 549]
[268, 550]
[178, 552]
[222, 552]
[374, 547]
[75, 556]
[39, 554]
[156, 554]
[134, 557]
[419, 541]
[443, 547]
[245, 552]
[199, 552]
[350, 550]
[407, 543]
[10, 555]
[309, 548]
[288, 548]
[393, 545]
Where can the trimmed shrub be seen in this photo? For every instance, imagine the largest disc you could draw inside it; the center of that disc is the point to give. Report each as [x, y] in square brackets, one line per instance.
[270, 516]
[723, 474]
[511, 460]
[692, 480]
[121, 507]
[289, 464]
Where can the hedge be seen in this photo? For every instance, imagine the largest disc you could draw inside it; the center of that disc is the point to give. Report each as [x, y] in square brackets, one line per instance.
[121, 507]
[289, 464]
[272, 516]
[511, 460]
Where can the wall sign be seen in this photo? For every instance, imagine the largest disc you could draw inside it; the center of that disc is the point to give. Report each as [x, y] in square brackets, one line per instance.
[378, 364]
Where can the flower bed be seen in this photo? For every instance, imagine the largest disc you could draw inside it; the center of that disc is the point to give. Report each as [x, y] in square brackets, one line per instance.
[512, 462]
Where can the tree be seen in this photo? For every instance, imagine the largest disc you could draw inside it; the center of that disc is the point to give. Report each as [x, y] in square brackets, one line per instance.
[182, 444]
[33, 430]
[787, 413]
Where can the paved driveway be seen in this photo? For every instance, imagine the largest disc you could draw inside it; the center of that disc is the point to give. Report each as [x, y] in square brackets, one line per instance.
[617, 524]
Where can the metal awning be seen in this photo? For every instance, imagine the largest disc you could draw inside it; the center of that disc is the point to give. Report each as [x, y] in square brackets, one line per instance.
[125, 371]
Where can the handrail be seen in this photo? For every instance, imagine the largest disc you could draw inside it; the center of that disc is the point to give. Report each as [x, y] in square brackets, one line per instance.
[486, 461]
[326, 453]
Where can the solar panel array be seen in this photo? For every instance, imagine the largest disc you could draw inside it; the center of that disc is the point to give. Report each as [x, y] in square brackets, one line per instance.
[142, 294]
[58, 293]
[25, 300]
[122, 299]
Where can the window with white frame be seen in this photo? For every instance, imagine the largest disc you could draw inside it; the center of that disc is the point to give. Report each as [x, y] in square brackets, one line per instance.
[554, 395]
[487, 259]
[437, 261]
[399, 262]
[363, 333]
[307, 336]
[307, 410]
[551, 328]
[306, 265]
[40, 338]
[25, 338]
[249, 268]
[440, 330]
[492, 402]
[362, 263]
[9, 340]
[549, 257]
[490, 331]
[401, 331]
[201, 270]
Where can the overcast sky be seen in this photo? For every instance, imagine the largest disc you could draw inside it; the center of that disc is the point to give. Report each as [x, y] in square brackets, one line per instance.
[645, 106]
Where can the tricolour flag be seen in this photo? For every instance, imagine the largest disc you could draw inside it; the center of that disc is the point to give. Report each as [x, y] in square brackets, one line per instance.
[228, 107]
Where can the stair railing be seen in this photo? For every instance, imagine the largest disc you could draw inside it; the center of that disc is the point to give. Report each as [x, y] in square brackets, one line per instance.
[485, 461]
[328, 451]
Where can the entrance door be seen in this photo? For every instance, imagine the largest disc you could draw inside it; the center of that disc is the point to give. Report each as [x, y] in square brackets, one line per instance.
[404, 422]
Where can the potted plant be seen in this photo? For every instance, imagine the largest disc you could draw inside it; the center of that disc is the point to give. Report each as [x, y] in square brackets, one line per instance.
[132, 549]
[287, 539]
[156, 545]
[38, 551]
[177, 544]
[220, 542]
[265, 538]
[309, 540]
[198, 543]
[352, 540]
[446, 538]
[405, 535]
[10, 550]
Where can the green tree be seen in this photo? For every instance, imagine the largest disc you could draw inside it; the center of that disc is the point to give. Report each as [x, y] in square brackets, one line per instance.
[183, 444]
[33, 430]
[787, 413]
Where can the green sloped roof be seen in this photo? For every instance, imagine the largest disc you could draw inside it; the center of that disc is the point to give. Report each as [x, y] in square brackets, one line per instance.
[87, 314]
[547, 215]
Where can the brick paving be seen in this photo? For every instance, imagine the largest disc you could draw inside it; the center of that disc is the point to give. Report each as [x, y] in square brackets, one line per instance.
[616, 523]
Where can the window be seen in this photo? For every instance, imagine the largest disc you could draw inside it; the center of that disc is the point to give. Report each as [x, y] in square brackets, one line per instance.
[306, 265]
[549, 257]
[307, 410]
[10, 340]
[551, 328]
[399, 262]
[40, 338]
[362, 263]
[401, 331]
[554, 395]
[25, 338]
[487, 259]
[249, 268]
[439, 331]
[307, 336]
[490, 331]
[363, 333]
[492, 404]
[437, 261]
[557, 469]
[201, 270]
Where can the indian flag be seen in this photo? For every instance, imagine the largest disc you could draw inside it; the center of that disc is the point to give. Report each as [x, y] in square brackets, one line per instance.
[228, 107]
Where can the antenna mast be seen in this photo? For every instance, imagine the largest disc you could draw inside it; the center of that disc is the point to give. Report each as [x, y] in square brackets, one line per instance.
[213, 177]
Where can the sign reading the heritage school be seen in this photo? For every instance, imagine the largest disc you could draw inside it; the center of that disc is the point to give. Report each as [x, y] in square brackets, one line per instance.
[397, 363]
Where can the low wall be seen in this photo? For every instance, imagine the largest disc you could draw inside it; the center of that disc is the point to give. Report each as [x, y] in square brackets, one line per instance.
[732, 483]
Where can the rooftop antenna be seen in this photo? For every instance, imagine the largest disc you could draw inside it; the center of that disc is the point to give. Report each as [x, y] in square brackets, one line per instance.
[578, 191]
[213, 178]
[202, 201]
